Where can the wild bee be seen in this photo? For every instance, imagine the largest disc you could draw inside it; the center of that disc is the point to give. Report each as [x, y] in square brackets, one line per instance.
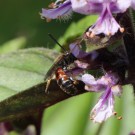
[58, 71]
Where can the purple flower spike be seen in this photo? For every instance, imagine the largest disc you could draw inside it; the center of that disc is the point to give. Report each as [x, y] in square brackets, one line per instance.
[62, 10]
[108, 85]
[106, 23]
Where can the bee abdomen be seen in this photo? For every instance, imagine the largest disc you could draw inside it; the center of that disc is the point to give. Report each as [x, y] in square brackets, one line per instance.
[66, 83]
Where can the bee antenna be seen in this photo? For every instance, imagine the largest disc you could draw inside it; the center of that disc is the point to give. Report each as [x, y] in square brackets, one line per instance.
[54, 39]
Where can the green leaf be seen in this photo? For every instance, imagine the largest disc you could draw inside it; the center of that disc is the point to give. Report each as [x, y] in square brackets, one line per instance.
[69, 117]
[23, 69]
[13, 45]
[76, 29]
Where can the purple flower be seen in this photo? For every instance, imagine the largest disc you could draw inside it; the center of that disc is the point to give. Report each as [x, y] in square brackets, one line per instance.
[75, 49]
[61, 10]
[108, 84]
[105, 24]
[86, 60]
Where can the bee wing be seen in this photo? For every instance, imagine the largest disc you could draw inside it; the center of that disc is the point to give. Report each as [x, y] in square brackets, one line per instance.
[53, 68]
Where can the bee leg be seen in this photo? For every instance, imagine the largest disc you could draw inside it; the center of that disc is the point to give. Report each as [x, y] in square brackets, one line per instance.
[47, 85]
[75, 82]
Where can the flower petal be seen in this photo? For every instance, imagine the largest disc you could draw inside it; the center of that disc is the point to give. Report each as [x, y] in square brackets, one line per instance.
[88, 79]
[106, 24]
[91, 84]
[133, 4]
[86, 7]
[122, 5]
[104, 108]
[109, 79]
[75, 72]
[117, 90]
[64, 10]
[81, 64]
[76, 51]
[80, 54]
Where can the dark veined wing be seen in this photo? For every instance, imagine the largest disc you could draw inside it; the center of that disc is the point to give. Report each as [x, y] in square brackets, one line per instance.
[53, 68]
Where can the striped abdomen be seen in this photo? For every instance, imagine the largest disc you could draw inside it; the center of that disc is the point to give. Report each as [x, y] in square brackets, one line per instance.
[67, 84]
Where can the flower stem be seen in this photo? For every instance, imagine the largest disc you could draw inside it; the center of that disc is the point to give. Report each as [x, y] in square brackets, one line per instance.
[129, 43]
